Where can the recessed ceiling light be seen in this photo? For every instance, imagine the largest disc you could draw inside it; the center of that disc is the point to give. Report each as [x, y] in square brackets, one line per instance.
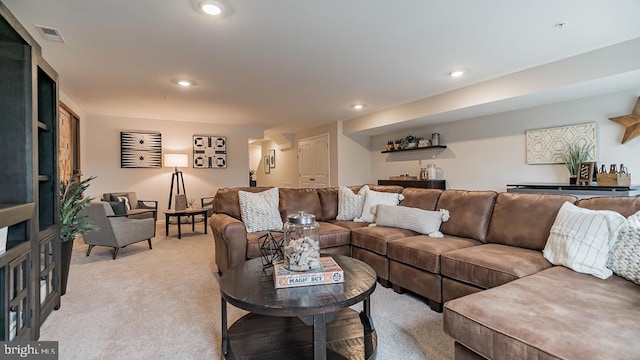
[211, 8]
[183, 82]
[456, 73]
[358, 106]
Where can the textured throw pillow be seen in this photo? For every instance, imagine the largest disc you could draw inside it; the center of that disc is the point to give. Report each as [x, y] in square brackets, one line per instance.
[124, 198]
[624, 257]
[259, 211]
[372, 199]
[418, 220]
[580, 239]
[350, 204]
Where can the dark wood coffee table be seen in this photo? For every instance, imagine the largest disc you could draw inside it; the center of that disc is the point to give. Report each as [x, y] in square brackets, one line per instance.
[309, 322]
[187, 212]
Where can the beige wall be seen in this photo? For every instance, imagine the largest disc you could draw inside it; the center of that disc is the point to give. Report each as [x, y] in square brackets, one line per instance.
[353, 158]
[102, 157]
[490, 152]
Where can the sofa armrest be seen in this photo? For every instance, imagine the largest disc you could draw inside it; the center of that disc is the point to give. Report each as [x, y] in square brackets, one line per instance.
[230, 240]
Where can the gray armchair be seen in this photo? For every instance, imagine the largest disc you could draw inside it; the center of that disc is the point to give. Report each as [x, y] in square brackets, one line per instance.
[115, 231]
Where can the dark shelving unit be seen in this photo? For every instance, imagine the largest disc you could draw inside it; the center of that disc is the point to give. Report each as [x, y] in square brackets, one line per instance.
[28, 185]
[415, 148]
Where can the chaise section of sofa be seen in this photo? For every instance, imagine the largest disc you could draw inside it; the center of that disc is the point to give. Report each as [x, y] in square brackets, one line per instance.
[554, 314]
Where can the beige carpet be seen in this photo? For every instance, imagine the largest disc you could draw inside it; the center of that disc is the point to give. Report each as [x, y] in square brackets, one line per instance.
[165, 304]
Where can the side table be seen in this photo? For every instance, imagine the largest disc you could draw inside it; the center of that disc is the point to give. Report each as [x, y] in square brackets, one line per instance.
[187, 212]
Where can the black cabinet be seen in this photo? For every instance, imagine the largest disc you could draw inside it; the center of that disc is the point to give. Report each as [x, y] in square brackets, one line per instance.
[424, 184]
[28, 184]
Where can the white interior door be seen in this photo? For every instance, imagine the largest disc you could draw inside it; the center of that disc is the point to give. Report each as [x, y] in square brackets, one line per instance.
[313, 162]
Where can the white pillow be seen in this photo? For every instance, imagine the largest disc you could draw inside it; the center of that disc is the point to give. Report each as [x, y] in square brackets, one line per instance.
[624, 257]
[580, 239]
[259, 211]
[127, 206]
[372, 199]
[418, 220]
[350, 204]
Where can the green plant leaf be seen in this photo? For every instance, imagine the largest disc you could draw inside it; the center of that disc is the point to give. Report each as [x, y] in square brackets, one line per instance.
[72, 200]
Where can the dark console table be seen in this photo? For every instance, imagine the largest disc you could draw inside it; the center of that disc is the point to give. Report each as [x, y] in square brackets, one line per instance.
[309, 322]
[424, 184]
[581, 191]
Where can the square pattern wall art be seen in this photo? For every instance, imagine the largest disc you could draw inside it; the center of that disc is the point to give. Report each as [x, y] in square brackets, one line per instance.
[544, 146]
[209, 152]
[140, 150]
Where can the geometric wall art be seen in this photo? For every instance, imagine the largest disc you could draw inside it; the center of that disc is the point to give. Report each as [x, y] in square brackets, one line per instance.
[544, 146]
[209, 152]
[140, 150]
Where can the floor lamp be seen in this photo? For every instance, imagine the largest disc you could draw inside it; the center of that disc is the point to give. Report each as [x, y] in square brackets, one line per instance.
[175, 161]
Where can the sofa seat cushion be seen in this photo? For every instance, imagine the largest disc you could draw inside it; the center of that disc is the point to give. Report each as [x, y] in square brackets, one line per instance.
[331, 235]
[492, 265]
[348, 224]
[375, 238]
[560, 314]
[423, 252]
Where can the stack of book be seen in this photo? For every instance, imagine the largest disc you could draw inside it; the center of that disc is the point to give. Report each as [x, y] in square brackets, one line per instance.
[329, 272]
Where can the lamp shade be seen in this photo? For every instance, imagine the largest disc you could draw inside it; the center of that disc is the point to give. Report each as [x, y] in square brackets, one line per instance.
[176, 160]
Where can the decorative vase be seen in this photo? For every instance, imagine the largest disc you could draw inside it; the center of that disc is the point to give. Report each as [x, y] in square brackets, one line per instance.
[66, 249]
[573, 179]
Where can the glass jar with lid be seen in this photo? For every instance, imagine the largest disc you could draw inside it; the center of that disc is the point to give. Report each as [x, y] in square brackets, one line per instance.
[432, 172]
[301, 240]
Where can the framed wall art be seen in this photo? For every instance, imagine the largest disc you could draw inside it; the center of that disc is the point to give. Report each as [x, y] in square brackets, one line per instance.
[267, 165]
[209, 152]
[544, 146]
[140, 150]
[272, 158]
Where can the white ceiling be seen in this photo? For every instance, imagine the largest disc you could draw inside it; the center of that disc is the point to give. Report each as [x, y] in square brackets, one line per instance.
[288, 65]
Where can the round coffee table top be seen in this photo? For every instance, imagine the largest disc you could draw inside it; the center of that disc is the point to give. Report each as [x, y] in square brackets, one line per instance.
[250, 286]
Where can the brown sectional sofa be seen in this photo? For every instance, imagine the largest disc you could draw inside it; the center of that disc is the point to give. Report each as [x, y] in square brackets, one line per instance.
[518, 304]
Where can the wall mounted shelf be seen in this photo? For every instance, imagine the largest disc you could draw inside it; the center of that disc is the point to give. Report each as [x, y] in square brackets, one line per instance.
[416, 148]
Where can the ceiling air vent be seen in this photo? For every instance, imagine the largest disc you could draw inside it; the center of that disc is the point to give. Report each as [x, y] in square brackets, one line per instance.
[49, 33]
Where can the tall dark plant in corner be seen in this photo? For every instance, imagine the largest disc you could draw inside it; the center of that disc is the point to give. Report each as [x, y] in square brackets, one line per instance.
[72, 224]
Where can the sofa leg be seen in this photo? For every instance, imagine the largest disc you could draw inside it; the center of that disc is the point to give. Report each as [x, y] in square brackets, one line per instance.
[435, 306]
[397, 289]
[89, 249]
[149, 241]
[384, 283]
[115, 252]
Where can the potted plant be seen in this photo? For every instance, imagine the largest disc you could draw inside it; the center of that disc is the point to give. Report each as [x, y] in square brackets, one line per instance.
[409, 142]
[574, 155]
[72, 224]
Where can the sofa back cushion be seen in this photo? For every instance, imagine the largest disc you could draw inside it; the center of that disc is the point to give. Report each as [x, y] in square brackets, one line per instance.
[524, 220]
[469, 212]
[292, 201]
[425, 199]
[228, 201]
[329, 198]
[626, 206]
